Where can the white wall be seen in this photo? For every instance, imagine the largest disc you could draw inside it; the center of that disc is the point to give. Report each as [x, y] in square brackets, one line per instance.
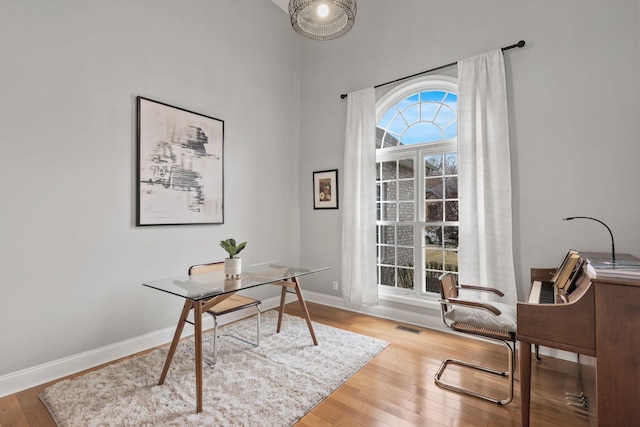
[71, 259]
[574, 112]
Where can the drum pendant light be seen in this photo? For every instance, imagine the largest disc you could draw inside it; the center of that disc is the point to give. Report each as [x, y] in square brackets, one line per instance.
[322, 19]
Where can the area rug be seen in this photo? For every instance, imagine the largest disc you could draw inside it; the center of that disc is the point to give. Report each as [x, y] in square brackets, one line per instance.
[274, 384]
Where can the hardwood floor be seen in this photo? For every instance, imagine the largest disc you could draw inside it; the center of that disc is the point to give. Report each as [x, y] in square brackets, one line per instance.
[396, 388]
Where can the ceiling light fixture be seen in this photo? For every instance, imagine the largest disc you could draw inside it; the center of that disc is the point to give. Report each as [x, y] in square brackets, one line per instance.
[322, 19]
[323, 10]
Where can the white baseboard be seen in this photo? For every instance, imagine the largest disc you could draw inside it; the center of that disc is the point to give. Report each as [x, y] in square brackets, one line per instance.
[420, 319]
[427, 320]
[40, 374]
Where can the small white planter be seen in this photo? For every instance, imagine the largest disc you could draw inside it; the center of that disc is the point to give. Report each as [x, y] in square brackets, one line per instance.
[232, 267]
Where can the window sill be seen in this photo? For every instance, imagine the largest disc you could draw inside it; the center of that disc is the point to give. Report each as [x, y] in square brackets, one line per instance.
[426, 302]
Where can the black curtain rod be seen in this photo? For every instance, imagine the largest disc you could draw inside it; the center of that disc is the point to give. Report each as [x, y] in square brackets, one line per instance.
[521, 43]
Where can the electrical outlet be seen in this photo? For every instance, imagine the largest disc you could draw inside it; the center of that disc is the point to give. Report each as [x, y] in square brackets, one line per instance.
[335, 286]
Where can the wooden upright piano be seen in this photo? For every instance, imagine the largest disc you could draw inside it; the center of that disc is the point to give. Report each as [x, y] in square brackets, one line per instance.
[599, 317]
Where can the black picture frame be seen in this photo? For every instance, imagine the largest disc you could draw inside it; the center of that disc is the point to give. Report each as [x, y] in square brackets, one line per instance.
[325, 189]
[180, 159]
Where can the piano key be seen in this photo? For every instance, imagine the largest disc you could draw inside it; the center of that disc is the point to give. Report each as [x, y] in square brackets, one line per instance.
[542, 293]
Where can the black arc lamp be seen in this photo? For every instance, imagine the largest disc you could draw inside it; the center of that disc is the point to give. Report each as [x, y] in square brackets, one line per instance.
[613, 245]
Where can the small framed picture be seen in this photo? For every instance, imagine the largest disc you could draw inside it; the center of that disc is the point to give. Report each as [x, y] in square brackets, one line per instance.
[325, 189]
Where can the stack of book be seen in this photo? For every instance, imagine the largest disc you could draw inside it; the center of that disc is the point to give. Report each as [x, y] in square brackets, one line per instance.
[620, 270]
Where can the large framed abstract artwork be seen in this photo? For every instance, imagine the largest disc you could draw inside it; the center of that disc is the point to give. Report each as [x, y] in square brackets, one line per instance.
[180, 166]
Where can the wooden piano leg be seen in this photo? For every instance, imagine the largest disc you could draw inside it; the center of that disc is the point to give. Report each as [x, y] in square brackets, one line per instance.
[525, 381]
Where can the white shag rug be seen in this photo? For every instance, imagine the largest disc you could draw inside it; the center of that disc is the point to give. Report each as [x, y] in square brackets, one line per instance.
[272, 385]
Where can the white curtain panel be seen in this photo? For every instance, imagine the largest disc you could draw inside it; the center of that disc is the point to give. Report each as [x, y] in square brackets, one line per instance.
[485, 244]
[359, 201]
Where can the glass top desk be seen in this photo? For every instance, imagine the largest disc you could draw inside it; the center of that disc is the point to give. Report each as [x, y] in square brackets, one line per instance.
[203, 291]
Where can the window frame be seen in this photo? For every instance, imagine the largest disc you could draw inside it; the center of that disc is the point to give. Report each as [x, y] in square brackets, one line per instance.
[416, 152]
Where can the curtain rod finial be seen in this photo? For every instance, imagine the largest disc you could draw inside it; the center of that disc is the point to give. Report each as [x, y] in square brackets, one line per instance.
[521, 43]
[343, 96]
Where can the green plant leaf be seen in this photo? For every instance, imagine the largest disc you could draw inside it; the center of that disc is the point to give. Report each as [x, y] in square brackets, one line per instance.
[230, 246]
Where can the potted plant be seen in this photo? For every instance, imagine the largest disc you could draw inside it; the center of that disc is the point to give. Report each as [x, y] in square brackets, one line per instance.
[232, 264]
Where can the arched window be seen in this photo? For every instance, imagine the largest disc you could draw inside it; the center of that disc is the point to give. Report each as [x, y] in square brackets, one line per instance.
[417, 186]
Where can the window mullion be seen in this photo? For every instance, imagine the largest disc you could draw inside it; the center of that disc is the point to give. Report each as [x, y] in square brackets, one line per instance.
[419, 224]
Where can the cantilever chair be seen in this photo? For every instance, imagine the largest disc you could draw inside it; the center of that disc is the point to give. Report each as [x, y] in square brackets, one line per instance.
[233, 303]
[495, 321]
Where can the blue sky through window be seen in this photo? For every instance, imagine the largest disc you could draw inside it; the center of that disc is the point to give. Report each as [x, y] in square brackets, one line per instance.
[422, 117]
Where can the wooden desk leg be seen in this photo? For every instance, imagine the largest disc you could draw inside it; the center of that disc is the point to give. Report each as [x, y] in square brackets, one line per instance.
[197, 321]
[283, 300]
[525, 381]
[303, 306]
[188, 305]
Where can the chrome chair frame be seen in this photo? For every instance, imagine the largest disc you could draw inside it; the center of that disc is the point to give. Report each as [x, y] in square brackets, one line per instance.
[449, 291]
[234, 303]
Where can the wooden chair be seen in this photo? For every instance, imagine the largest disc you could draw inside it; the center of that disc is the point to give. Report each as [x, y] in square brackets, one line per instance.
[494, 321]
[233, 303]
